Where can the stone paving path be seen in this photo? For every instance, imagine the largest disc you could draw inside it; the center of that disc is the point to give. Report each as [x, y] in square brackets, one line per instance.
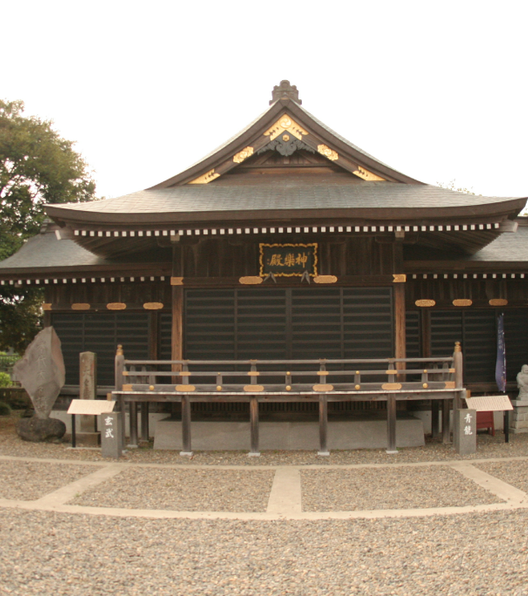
[291, 492]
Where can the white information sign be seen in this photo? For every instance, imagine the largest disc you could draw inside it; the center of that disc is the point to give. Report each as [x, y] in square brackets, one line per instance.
[92, 407]
[489, 403]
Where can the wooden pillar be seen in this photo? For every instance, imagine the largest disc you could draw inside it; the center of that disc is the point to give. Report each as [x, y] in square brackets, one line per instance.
[254, 425]
[186, 425]
[400, 349]
[133, 424]
[118, 375]
[177, 323]
[145, 431]
[323, 426]
[391, 424]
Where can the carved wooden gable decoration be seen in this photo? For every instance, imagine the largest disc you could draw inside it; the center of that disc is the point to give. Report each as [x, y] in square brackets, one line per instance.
[286, 136]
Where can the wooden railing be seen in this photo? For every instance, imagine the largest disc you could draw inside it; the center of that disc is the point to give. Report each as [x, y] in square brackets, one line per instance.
[254, 381]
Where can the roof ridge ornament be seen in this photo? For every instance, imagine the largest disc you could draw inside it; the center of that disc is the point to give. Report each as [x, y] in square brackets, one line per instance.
[285, 91]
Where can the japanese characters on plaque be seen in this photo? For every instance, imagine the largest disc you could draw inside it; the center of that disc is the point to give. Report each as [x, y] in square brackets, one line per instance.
[288, 260]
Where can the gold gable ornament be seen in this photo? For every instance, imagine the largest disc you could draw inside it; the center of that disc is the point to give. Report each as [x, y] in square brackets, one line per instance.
[327, 152]
[366, 175]
[206, 178]
[285, 124]
[243, 155]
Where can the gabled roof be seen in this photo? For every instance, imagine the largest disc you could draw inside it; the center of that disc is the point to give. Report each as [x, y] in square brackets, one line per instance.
[286, 118]
[287, 169]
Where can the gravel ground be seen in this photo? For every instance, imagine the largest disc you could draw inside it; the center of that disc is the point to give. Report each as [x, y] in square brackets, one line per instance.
[512, 472]
[386, 488]
[63, 554]
[434, 450]
[27, 481]
[183, 490]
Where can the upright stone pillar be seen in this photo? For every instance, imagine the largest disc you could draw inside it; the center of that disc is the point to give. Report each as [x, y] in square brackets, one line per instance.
[87, 390]
[466, 431]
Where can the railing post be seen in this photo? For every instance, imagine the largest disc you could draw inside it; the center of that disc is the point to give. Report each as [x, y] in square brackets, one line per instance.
[119, 367]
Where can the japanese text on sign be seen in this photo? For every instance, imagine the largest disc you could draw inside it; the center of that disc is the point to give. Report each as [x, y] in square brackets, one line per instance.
[288, 260]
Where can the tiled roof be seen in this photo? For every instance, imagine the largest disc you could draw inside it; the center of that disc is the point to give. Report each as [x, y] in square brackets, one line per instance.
[510, 248]
[272, 197]
[45, 251]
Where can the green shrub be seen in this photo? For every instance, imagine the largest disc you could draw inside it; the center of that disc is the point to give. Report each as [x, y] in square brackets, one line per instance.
[5, 380]
[5, 410]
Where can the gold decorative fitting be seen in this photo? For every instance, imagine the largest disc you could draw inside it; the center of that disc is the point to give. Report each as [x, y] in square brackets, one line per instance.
[46, 306]
[253, 388]
[391, 386]
[184, 373]
[285, 138]
[327, 152]
[127, 387]
[253, 373]
[449, 384]
[285, 124]
[242, 155]
[322, 373]
[399, 278]
[288, 387]
[80, 306]
[119, 351]
[325, 279]
[462, 302]
[185, 388]
[458, 348]
[425, 370]
[206, 178]
[176, 281]
[366, 175]
[219, 387]
[151, 387]
[498, 302]
[425, 385]
[153, 305]
[357, 387]
[250, 280]
[116, 306]
[323, 387]
[357, 372]
[425, 303]
[391, 371]
[451, 370]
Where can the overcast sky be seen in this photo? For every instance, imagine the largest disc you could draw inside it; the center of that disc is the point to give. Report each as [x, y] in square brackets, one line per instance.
[435, 89]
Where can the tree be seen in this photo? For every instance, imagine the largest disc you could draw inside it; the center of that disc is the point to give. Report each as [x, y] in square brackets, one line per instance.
[37, 166]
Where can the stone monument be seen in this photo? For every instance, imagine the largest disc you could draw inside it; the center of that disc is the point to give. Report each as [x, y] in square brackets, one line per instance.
[41, 372]
[519, 422]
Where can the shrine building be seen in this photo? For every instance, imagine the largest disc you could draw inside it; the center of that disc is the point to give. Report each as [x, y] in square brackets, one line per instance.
[288, 242]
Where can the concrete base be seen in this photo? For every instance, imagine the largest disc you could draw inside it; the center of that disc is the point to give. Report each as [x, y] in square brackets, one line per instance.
[342, 434]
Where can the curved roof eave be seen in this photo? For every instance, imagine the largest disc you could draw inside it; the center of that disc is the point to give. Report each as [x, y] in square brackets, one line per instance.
[501, 208]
